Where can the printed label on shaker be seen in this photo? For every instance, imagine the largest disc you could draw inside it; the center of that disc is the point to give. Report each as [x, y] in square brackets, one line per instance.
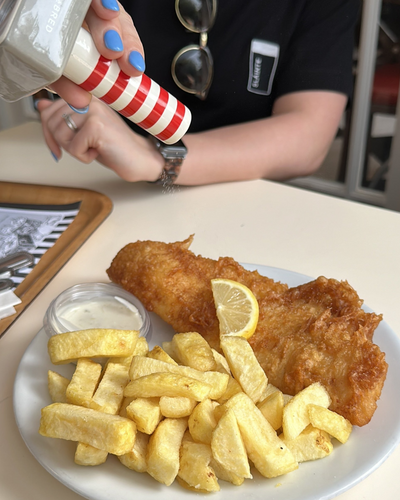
[262, 66]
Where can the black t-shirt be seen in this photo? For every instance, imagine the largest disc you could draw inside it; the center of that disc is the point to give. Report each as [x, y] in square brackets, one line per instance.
[262, 49]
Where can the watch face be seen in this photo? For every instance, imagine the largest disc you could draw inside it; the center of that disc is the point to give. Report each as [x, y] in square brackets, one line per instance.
[177, 150]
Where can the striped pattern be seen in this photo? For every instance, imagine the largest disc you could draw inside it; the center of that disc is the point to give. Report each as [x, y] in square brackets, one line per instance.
[49, 222]
[139, 99]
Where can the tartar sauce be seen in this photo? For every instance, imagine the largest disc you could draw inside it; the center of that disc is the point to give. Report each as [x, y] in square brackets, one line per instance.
[107, 312]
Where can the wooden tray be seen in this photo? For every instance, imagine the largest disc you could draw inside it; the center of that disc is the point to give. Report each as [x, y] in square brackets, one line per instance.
[94, 208]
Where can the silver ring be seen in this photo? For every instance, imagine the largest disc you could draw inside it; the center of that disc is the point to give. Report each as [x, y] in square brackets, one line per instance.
[70, 122]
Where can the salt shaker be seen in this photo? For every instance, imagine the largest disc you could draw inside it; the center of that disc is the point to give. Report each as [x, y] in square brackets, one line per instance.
[40, 41]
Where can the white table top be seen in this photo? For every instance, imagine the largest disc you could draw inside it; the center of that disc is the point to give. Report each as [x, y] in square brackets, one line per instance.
[256, 222]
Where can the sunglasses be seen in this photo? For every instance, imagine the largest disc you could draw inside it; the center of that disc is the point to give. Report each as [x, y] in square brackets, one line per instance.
[192, 67]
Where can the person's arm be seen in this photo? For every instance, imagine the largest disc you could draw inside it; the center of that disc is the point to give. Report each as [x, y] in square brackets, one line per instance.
[292, 142]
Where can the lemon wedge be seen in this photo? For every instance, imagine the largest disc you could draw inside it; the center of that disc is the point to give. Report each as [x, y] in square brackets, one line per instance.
[237, 308]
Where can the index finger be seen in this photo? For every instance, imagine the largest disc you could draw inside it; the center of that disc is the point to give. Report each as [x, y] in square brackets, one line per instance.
[126, 46]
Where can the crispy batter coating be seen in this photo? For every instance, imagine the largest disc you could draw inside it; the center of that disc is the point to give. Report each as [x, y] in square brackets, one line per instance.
[314, 332]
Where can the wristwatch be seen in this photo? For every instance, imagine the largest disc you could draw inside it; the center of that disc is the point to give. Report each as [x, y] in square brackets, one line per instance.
[173, 155]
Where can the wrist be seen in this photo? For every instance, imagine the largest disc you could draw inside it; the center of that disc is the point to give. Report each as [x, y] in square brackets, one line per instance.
[173, 156]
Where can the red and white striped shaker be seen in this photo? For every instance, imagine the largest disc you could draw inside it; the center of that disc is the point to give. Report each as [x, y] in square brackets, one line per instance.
[139, 99]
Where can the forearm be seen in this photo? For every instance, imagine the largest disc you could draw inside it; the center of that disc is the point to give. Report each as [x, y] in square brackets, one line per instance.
[293, 142]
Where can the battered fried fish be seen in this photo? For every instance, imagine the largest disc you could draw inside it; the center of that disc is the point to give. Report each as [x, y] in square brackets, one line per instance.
[314, 332]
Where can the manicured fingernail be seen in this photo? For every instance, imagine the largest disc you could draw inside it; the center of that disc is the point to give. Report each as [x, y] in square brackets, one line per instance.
[113, 41]
[110, 5]
[136, 60]
[81, 111]
[54, 156]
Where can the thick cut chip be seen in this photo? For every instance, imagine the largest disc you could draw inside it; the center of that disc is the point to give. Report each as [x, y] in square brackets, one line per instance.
[236, 307]
[269, 454]
[84, 382]
[194, 351]
[141, 348]
[111, 433]
[225, 474]
[110, 391]
[169, 348]
[295, 413]
[228, 448]
[244, 366]
[195, 467]
[330, 422]
[163, 450]
[311, 444]
[57, 385]
[202, 421]
[221, 362]
[144, 366]
[177, 407]
[87, 455]
[233, 388]
[66, 347]
[270, 389]
[167, 384]
[136, 458]
[146, 414]
[158, 353]
[272, 409]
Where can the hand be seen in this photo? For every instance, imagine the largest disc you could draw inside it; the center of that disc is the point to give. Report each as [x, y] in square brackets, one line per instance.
[101, 135]
[101, 20]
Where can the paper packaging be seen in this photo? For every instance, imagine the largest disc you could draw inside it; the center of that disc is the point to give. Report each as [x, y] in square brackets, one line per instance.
[8, 299]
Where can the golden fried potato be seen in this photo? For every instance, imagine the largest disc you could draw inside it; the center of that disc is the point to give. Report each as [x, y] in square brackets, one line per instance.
[264, 448]
[225, 474]
[193, 350]
[221, 362]
[311, 444]
[57, 385]
[136, 458]
[88, 455]
[244, 366]
[272, 409]
[144, 366]
[233, 388]
[111, 433]
[176, 407]
[146, 414]
[295, 413]
[169, 348]
[330, 422]
[202, 421]
[84, 382]
[158, 353]
[167, 384]
[110, 391]
[94, 343]
[163, 450]
[228, 448]
[195, 468]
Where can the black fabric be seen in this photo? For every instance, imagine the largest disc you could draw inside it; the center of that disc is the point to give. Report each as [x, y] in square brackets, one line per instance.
[315, 39]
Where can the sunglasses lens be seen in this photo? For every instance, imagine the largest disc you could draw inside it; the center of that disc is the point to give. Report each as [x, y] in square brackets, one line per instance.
[192, 70]
[196, 15]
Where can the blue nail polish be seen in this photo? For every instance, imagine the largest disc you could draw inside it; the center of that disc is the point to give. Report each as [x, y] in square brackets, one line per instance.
[136, 60]
[113, 41]
[110, 5]
[35, 103]
[54, 156]
[80, 111]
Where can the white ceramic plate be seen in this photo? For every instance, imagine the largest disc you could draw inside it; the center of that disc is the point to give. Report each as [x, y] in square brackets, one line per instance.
[366, 450]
